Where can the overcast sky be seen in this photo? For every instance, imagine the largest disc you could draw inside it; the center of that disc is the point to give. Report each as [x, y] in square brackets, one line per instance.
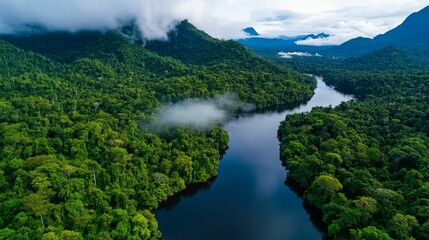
[220, 18]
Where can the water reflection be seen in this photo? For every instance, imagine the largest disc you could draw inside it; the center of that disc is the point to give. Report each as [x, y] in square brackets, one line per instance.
[190, 191]
[248, 200]
[314, 213]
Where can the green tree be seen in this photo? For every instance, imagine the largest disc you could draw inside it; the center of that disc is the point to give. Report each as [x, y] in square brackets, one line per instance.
[140, 227]
[401, 226]
[322, 190]
[39, 203]
[370, 233]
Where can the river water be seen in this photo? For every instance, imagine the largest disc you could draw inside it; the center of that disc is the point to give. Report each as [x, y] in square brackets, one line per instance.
[249, 199]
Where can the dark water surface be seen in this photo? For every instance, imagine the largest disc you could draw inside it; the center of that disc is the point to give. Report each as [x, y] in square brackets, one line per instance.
[248, 200]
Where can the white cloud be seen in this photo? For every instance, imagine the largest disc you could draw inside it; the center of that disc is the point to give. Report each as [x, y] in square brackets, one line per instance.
[200, 113]
[155, 17]
[220, 18]
[289, 55]
[343, 21]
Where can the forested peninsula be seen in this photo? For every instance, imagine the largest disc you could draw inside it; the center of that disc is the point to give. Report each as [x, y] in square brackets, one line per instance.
[75, 161]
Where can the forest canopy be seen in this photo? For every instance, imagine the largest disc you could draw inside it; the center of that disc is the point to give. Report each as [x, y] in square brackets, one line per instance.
[76, 162]
[364, 164]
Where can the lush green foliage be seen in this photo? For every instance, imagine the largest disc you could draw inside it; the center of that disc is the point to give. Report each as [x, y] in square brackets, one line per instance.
[193, 62]
[365, 163]
[75, 162]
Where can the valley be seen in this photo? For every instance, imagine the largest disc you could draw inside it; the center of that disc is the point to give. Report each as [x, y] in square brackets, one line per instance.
[138, 129]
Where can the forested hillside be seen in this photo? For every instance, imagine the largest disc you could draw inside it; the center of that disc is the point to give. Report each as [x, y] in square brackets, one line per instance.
[253, 78]
[365, 163]
[193, 61]
[75, 163]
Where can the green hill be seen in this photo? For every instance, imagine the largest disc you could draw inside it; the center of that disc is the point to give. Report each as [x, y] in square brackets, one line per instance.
[194, 47]
[204, 66]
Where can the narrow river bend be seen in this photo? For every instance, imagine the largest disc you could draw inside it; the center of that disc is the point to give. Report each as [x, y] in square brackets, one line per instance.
[248, 200]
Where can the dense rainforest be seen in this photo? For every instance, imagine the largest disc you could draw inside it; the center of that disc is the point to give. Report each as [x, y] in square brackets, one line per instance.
[75, 161]
[365, 163]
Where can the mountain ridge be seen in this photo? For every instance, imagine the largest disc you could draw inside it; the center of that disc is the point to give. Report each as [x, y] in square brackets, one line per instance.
[280, 41]
[411, 33]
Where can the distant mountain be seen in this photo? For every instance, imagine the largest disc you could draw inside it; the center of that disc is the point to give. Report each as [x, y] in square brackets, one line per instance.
[250, 31]
[312, 36]
[413, 33]
[412, 36]
[279, 42]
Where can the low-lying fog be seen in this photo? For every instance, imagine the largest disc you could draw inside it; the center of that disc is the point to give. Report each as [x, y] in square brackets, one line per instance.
[198, 113]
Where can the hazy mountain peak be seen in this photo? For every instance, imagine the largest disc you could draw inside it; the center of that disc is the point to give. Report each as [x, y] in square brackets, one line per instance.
[250, 31]
[412, 32]
[280, 41]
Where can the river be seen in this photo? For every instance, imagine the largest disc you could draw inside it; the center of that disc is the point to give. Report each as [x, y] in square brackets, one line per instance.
[248, 200]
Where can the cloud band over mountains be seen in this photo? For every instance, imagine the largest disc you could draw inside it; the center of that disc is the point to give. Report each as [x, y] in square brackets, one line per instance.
[154, 17]
[220, 18]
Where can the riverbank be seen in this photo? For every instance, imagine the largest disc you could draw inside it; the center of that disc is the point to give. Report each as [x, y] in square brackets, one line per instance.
[248, 199]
